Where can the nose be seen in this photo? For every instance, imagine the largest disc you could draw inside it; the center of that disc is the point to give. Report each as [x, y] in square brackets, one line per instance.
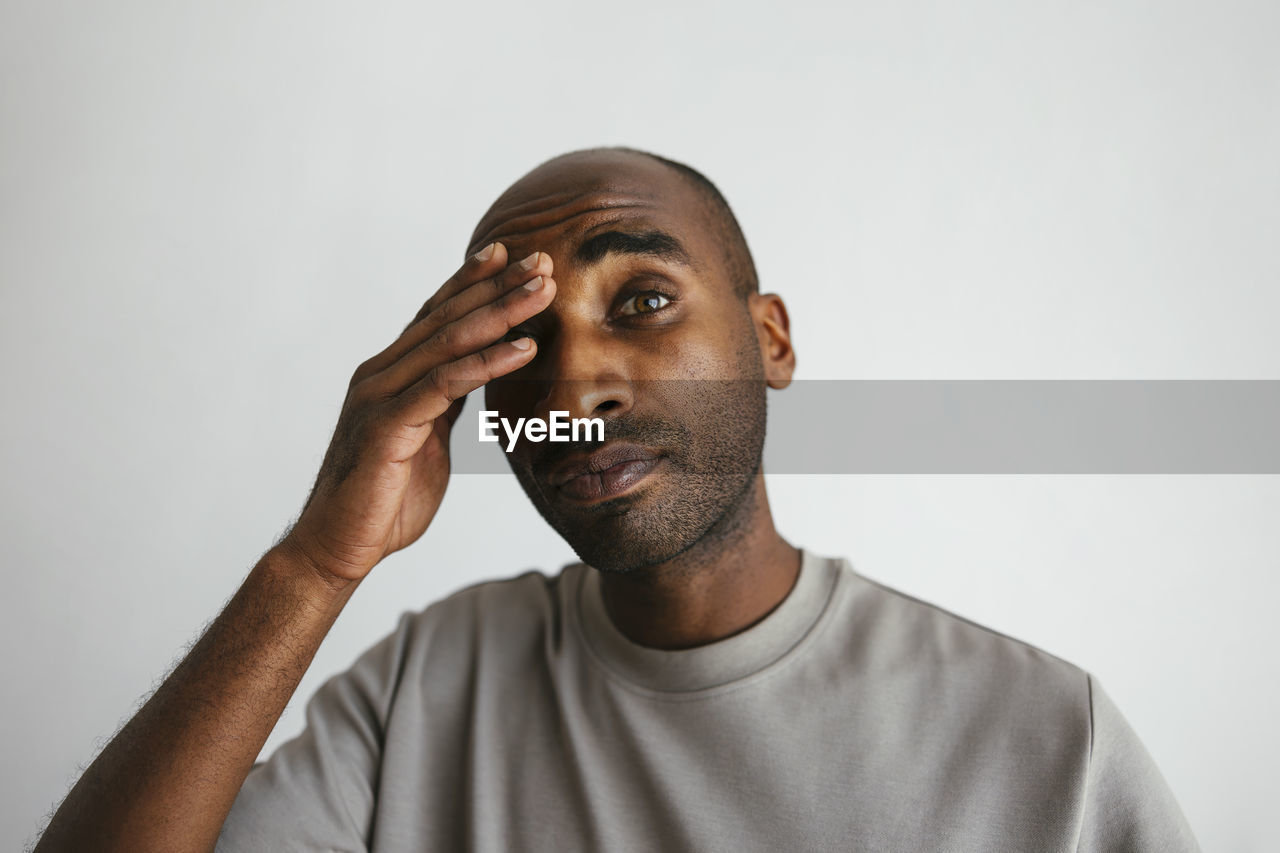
[585, 375]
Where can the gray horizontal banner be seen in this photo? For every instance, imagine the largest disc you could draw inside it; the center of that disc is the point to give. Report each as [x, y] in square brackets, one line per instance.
[988, 427]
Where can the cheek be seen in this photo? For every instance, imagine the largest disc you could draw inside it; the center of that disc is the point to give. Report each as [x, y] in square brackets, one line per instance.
[723, 350]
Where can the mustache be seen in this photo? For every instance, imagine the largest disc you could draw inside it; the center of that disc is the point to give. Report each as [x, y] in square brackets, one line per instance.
[644, 430]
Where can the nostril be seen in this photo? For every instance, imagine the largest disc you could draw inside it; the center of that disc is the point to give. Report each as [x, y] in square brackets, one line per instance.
[607, 406]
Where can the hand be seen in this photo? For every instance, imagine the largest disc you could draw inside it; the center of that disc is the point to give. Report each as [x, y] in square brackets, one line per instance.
[387, 466]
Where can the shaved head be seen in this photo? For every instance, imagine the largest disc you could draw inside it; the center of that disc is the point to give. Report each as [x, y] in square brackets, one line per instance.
[714, 211]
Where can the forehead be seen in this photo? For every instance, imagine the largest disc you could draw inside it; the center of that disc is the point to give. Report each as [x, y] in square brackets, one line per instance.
[563, 201]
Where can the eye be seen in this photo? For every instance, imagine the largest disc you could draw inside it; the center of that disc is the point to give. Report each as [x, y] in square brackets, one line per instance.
[646, 302]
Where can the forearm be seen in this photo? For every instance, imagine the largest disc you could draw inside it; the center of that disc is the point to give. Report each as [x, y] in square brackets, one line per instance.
[169, 778]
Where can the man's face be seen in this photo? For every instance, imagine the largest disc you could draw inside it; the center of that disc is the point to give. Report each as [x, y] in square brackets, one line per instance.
[646, 332]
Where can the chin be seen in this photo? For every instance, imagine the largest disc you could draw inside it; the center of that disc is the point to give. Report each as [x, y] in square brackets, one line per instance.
[639, 532]
[656, 523]
[625, 558]
[625, 541]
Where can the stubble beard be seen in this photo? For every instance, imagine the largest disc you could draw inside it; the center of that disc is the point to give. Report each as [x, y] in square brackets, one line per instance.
[703, 497]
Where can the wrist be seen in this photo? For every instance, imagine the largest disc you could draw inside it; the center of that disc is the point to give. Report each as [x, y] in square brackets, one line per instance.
[288, 561]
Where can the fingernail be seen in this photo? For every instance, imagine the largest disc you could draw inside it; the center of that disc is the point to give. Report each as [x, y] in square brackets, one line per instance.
[522, 343]
[486, 253]
[534, 284]
[530, 262]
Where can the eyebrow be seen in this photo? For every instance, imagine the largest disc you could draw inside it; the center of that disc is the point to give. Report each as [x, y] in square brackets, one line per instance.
[658, 244]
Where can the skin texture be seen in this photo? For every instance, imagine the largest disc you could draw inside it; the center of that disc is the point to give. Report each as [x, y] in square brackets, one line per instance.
[689, 551]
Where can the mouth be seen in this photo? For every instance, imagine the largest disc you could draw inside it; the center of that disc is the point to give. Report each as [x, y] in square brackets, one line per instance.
[609, 472]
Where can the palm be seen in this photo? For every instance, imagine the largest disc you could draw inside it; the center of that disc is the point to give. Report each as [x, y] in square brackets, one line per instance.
[428, 474]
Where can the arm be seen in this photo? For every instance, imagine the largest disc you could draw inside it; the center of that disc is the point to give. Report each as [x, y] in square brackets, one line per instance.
[168, 779]
[1128, 805]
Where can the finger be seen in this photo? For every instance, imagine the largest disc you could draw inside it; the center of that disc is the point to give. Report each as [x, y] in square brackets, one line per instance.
[483, 292]
[475, 268]
[446, 385]
[469, 334]
[487, 262]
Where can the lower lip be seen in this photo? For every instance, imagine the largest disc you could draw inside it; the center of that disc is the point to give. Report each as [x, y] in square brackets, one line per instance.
[611, 482]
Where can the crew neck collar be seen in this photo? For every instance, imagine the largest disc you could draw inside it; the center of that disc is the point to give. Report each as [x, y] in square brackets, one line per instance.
[715, 664]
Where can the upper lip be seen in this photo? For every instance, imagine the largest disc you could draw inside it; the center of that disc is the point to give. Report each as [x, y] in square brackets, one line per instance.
[601, 459]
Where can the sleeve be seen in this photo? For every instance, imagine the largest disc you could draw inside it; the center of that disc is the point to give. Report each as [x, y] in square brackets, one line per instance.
[1128, 806]
[316, 792]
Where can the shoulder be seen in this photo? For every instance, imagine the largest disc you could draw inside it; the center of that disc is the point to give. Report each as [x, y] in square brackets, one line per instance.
[493, 616]
[935, 635]
[998, 705]
[521, 597]
[935, 656]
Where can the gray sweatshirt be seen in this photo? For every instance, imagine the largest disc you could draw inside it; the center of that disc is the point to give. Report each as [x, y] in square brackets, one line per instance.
[514, 716]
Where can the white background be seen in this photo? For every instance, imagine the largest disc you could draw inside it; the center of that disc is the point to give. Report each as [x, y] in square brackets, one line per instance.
[210, 213]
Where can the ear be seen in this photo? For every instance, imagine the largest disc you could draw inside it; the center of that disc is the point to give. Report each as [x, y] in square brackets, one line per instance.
[773, 329]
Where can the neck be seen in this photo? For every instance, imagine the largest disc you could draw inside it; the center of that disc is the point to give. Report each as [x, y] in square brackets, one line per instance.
[728, 581]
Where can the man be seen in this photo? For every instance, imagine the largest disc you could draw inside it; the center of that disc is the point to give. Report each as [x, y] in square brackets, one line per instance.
[697, 683]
